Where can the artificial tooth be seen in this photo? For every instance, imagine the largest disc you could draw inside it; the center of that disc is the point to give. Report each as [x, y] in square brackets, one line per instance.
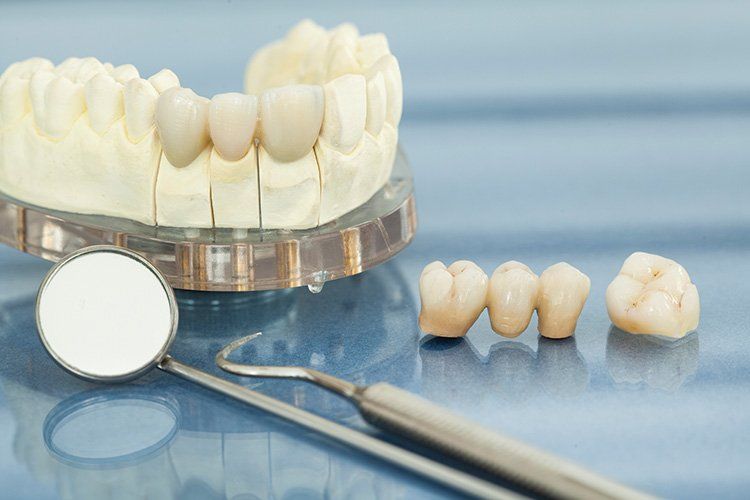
[140, 107]
[341, 61]
[345, 30]
[301, 33]
[512, 298]
[69, 67]
[231, 120]
[14, 100]
[25, 69]
[37, 86]
[104, 101]
[124, 73]
[64, 103]
[108, 67]
[370, 48]
[182, 122]
[290, 119]
[563, 290]
[345, 112]
[377, 100]
[452, 298]
[88, 68]
[653, 295]
[164, 80]
[388, 65]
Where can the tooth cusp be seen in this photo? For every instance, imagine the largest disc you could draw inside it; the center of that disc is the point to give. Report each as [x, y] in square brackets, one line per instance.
[563, 291]
[452, 298]
[653, 295]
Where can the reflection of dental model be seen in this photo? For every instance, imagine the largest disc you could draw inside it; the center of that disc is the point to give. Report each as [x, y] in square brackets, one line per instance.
[87, 137]
[563, 290]
[511, 298]
[653, 295]
[452, 298]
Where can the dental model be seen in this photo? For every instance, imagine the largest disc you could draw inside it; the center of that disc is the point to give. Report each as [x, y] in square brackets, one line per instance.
[452, 298]
[563, 291]
[512, 298]
[653, 295]
[313, 137]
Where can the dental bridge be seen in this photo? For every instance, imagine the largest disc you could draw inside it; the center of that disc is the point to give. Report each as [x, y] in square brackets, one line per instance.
[85, 321]
[295, 182]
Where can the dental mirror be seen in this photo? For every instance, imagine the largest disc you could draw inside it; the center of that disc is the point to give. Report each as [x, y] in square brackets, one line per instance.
[106, 314]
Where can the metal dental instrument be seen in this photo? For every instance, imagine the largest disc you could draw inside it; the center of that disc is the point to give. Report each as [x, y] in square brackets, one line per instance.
[106, 314]
[399, 411]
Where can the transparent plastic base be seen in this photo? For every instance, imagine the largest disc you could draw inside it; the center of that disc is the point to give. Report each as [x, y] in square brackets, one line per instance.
[232, 259]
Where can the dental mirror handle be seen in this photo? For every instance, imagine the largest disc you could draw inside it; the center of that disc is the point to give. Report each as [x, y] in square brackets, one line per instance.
[399, 411]
[444, 475]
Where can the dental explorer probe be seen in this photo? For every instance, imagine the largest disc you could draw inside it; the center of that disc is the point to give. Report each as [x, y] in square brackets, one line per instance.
[393, 409]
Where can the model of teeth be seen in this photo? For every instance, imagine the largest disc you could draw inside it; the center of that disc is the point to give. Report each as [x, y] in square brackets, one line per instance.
[653, 295]
[452, 298]
[512, 298]
[313, 137]
[563, 290]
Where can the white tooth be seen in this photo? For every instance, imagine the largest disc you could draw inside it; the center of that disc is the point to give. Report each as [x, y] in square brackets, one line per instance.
[14, 100]
[89, 67]
[69, 67]
[164, 80]
[341, 61]
[512, 298]
[452, 299]
[26, 68]
[140, 107]
[125, 73]
[290, 119]
[377, 101]
[231, 120]
[653, 295]
[104, 101]
[345, 112]
[182, 121]
[370, 48]
[108, 67]
[388, 65]
[345, 30]
[37, 86]
[301, 33]
[563, 290]
[64, 103]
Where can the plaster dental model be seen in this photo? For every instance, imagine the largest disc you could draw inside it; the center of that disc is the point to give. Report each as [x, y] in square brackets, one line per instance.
[452, 298]
[511, 298]
[313, 137]
[563, 291]
[653, 295]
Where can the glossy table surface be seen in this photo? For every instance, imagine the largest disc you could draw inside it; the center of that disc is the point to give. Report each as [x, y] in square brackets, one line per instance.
[580, 134]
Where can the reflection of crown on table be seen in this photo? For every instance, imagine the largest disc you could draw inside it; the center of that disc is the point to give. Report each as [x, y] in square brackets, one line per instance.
[232, 260]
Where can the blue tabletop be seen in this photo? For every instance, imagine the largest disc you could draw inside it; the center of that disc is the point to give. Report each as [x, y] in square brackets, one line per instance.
[539, 132]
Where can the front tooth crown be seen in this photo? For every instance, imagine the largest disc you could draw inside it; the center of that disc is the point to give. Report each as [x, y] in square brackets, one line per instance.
[452, 298]
[104, 101]
[512, 298]
[182, 122]
[140, 108]
[124, 73]
[290, 120]
[653, 295]
[64, 103]
[232, 119]
[563, 290]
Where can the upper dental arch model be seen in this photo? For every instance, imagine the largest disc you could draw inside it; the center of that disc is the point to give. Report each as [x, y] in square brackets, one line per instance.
[313, 137]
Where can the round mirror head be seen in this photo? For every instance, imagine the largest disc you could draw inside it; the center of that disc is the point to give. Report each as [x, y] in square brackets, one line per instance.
[106, 314]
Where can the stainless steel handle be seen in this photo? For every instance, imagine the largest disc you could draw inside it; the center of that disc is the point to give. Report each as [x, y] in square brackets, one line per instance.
[391, 408]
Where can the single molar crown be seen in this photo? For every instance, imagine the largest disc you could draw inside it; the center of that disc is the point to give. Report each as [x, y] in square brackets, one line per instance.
[653, 295]
[313, 137]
